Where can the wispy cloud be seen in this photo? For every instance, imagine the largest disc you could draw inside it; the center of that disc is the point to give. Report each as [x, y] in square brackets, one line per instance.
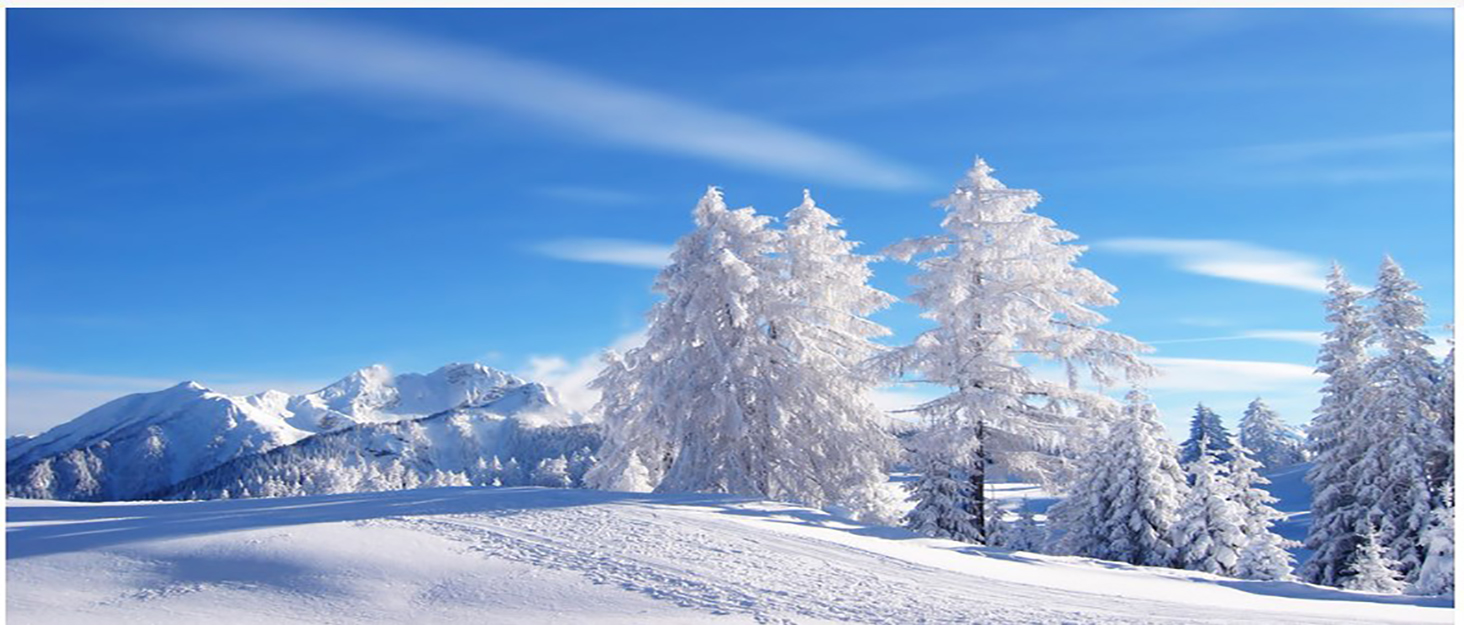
[571, 379]
[589, 195]
[1305, 337]
[608, 251]
[38, 399]
[1250, 376]
[1234, 260]
[1348, 146]
[377, 62]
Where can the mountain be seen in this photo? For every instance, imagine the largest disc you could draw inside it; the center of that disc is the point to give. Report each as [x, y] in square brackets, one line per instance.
[145, 442]
[466, 446]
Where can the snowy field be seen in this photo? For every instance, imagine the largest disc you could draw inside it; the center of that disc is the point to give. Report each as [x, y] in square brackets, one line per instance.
[530, 555]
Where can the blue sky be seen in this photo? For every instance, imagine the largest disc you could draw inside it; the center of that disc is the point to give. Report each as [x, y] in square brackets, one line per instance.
[267, 199]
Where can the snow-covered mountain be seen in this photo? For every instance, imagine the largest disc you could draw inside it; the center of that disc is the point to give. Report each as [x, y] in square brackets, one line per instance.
[145, 442]
[460, 447]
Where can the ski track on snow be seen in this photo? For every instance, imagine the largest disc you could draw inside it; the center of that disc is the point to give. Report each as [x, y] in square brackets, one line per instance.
[777, 578]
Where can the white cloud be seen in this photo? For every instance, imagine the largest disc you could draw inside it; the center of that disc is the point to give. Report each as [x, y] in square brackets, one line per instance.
[377, 62]
[38, 399]
[1305, 337]
[609, 251]
[1347, 146]
[1250, 376]
[1234, 260]
[571, 379]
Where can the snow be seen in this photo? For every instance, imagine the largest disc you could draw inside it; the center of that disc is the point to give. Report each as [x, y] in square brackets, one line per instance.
[141, 443]
[526, 555]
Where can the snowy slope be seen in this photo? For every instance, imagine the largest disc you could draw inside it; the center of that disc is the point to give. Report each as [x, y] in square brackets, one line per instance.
[140, 443]
[527, 555]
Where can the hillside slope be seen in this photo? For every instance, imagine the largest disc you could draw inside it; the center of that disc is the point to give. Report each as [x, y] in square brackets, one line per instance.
[526, 555]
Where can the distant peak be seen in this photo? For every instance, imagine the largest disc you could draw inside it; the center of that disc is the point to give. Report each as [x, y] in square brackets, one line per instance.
[189, 385]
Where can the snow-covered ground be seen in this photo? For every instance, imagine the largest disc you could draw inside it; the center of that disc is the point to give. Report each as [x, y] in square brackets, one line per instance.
[529, 555]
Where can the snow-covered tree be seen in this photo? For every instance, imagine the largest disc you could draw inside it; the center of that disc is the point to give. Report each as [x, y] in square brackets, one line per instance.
[750, 379]
[1335, 436]
[1019, 533]
[1399, 425]
[1264, 555]
[1209, 534]
[1124, 503]
[552, 473]
[1436, 574]
[942, 499]
[680, 403]
[833, 447]
[1206, 425]
[512, 474]
[1002, 290]
[1268, 440]
[1441, 466]
[1369, 569]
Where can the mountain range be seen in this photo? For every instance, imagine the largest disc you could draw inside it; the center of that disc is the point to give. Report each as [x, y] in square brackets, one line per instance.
[143, 443]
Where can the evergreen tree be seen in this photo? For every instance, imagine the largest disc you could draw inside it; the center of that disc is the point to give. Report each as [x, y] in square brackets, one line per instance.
[1441, 465]
[1369, 570]
[1210, 532]
[1268, 440]
[1264, 555]
[1123, 505]
[1205, 424]
[1436, 574]
[1334, 438]
[941, 499]
[750, 379]
[1001, 287]
[1019, 533]
[552, 473]
[1400, 427]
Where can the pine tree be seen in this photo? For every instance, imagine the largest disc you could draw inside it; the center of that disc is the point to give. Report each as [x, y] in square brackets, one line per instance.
[1124, 503]
[1436, 574]
[750, 381]
[1369, 570]
[552, 473]
[1020, 533]
[1001, 287]
[1210, 532]
[1441, 465]
[1205, 424]
[1400, 427]
[1268, 440]
[680, 402]
[941, 499]
[832, 447]
[1264, 555]
[1334, 438]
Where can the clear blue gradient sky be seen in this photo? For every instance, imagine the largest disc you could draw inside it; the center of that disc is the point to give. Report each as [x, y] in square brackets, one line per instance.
[260, 199]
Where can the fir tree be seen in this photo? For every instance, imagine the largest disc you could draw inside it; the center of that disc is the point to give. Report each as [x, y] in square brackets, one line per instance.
[1210, 532]
[750, 379]
[1268, 440]
[1124, 503]
[941, 499]
[1264, 555]
[1436, 574]
[1334, 438]
[1001, 287]
[1400, 427]
[1205, 424]
[1369, 570]
[552, 473]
